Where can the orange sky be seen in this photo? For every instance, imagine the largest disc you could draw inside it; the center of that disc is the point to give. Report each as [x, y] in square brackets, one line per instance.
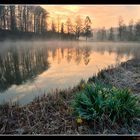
[101, 15]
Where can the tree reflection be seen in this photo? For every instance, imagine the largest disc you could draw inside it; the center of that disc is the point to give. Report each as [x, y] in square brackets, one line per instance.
[86, 55]
[19, 65]
[78, 56]
[72, 54]
[69, 54]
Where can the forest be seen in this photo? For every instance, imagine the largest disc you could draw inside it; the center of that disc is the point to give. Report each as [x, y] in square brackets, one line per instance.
[32, 22]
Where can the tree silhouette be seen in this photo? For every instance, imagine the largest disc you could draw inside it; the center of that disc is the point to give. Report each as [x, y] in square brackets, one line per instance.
[120, 29]
[111, 34]
[78, 27]
[137, 33]
[87, 28]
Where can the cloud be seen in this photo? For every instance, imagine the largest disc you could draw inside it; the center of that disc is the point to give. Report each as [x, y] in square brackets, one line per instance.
[101, 15]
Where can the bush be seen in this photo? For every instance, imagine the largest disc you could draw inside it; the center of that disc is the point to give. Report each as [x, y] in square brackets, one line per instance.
[97, 100]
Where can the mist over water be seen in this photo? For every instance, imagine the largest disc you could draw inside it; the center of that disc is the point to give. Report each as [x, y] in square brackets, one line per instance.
[32, 68]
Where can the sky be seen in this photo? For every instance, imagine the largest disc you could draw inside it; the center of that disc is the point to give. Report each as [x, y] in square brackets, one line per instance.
[101, 15]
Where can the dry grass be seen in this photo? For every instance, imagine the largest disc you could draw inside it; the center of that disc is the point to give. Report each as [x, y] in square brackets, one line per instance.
[52, 114]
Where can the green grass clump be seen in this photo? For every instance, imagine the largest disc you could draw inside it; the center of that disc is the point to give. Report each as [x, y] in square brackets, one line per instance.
[97, 101]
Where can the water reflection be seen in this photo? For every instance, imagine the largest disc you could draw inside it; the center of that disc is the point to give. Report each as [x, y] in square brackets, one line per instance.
[86, 55]
[30, 69]
[71, 54]
[19, 65]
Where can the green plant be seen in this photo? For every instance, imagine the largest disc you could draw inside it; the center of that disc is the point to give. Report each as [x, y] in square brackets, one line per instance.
[97, 100]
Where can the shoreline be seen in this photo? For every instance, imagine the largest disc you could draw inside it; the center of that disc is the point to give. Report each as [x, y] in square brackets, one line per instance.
[52, 113]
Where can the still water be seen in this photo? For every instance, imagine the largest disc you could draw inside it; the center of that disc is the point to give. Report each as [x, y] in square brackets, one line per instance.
[29, 69]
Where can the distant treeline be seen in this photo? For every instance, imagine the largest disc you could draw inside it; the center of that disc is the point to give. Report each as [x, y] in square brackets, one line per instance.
[23, 18]
[22, 21]
[17, 35]
[31, 22]
[124, 32]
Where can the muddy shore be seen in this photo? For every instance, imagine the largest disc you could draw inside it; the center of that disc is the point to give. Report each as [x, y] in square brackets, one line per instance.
[52, 114]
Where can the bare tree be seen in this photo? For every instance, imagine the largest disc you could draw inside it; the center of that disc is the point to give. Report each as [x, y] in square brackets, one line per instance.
[120, 29]
[111, 34]
[69, 26]
[62, 28]
[13, 18]
[78, 27]
[130, 28]
[58, 23]
[137, 31]
[44, 17]
[87, 28]
[2, 17]
[53, 26]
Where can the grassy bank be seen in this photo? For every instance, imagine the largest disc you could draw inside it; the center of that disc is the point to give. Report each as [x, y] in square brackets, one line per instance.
[54, 113]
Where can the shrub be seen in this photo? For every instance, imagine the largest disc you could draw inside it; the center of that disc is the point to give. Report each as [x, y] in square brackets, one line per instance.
[97, 100]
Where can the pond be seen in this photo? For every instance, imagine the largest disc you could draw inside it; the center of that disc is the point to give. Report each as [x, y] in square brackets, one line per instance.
[31, 68]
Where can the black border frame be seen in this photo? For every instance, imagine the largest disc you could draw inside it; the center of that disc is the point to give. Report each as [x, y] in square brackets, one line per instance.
[65, 2]
[79, 2]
